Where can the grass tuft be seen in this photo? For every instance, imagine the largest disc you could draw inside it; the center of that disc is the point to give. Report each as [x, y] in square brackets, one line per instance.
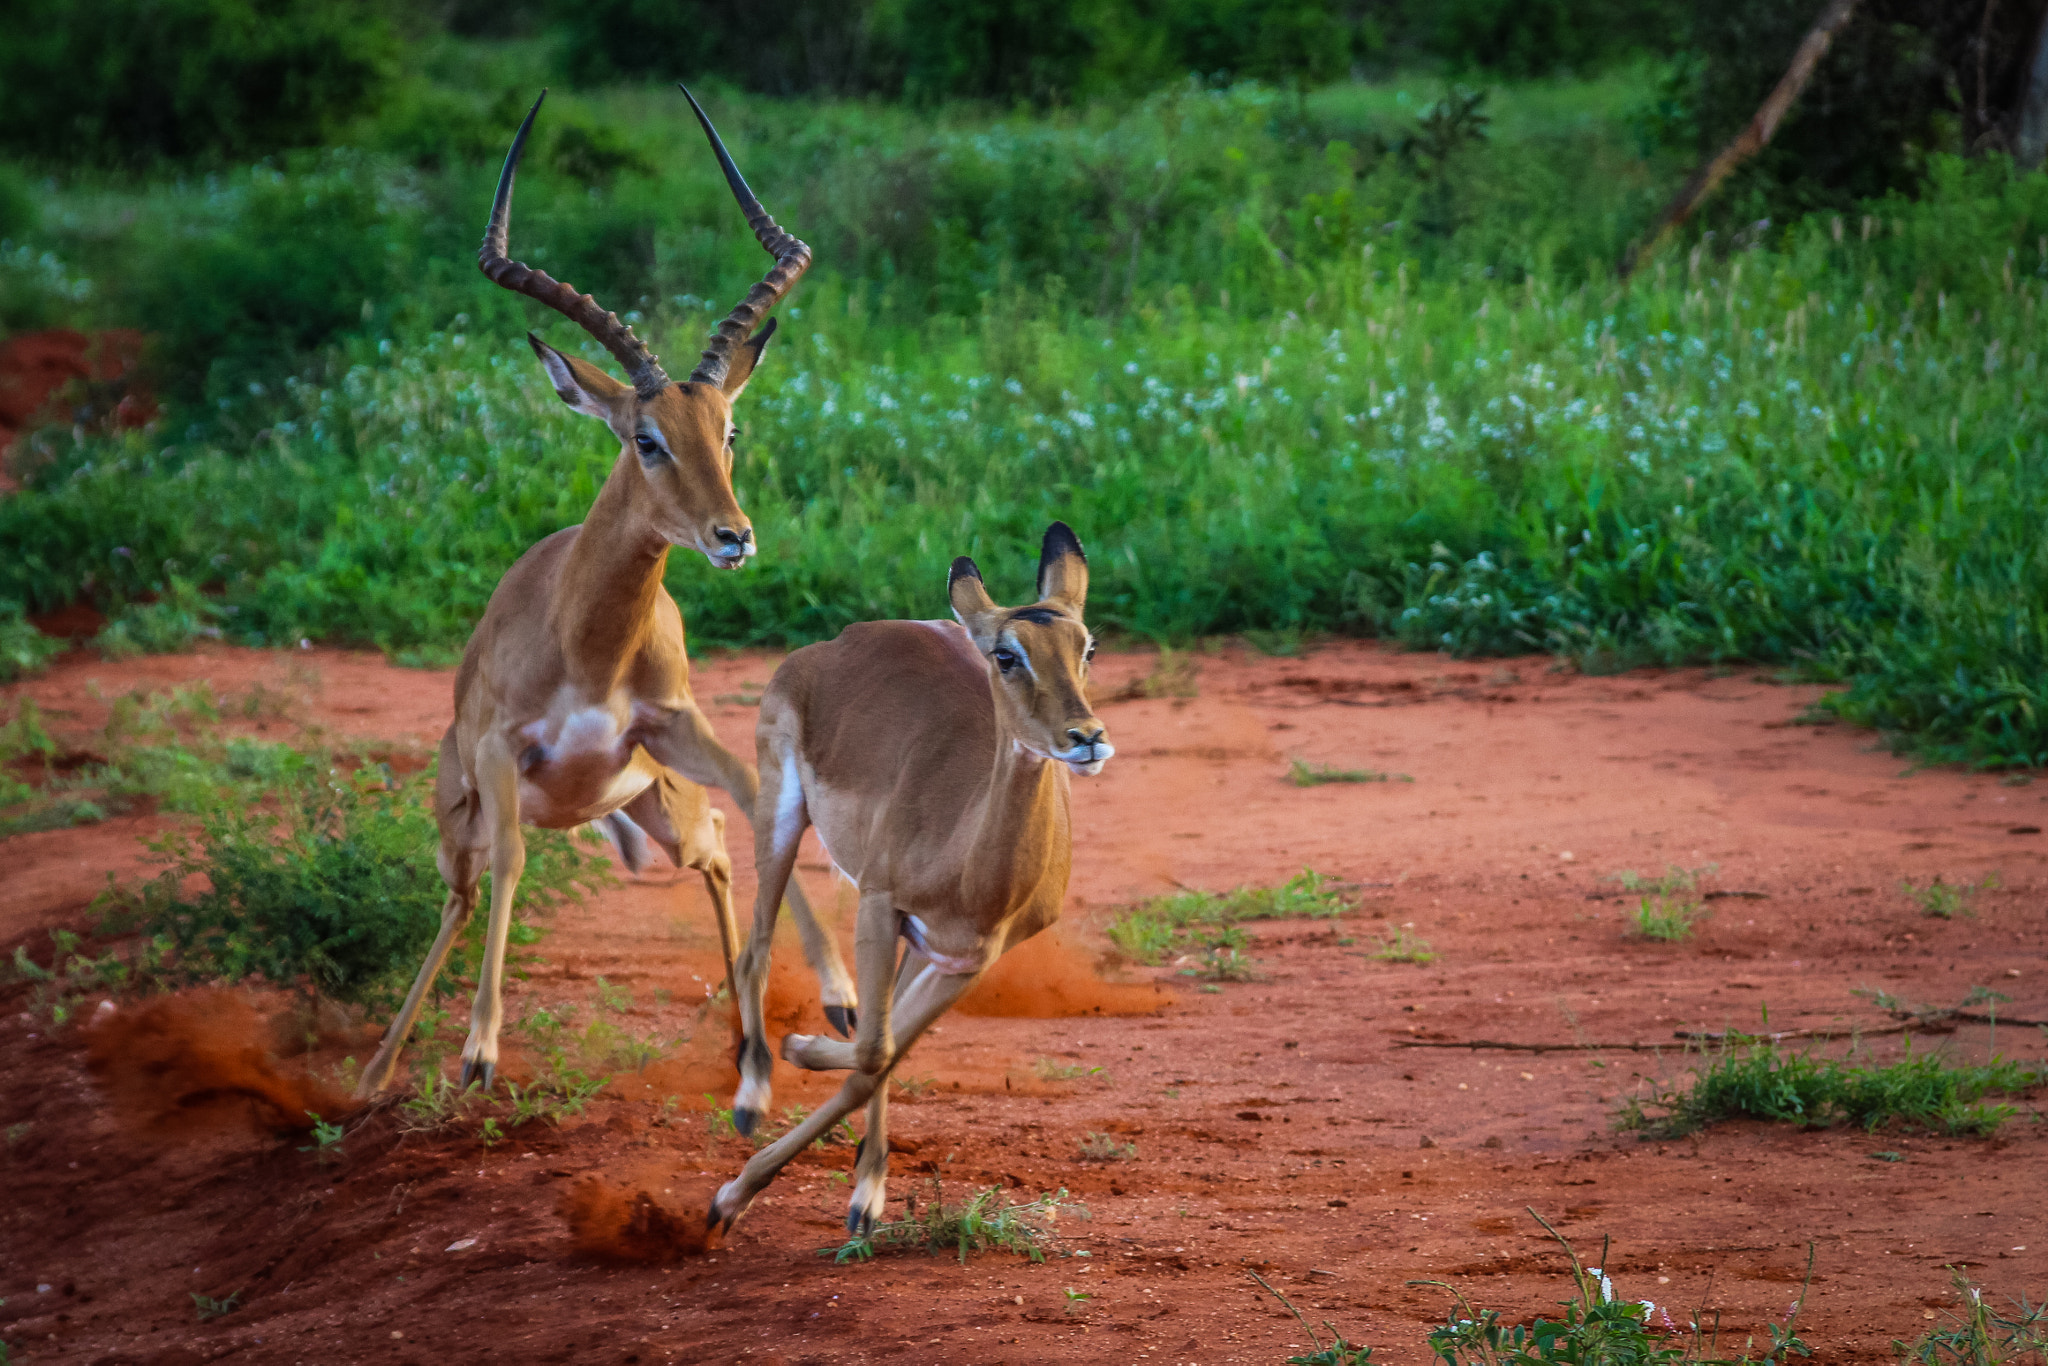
[1304, 774]
[1168, 924]
[1755, 1079]
[986, 1221]
[1947, 900]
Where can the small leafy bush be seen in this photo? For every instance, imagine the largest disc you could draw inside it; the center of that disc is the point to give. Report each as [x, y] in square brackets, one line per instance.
[1305, 774]
[333, 887]
[1668, 919]
[1947, 900]
[1981, 1335]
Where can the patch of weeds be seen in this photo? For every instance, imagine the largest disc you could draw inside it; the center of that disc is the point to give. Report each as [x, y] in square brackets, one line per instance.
[1076, 1299]
[23, 649]
[1106, 1148]
[327, 1140]
[1671, 882]
[1337, 1352]
[1887, 1157]
[1980, 1335]
[437, 1104]
[551, 1098]
[1668, 919]
[1049, 1070]
[986, 1221]
[1947, 900]
[75, 977]
[1220, 963]
[1598, 1327]
[1403, 946]
[170, 625]
[25, 736]
[1160, 927]
[333, 886]
[1754, 1079]
[913, 1088]
[720, 1121]
[1305, 774]
[210, 1308]
[61, 814]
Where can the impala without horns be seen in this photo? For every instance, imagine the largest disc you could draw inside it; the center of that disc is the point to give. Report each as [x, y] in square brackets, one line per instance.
[573, 701]
[932, 756]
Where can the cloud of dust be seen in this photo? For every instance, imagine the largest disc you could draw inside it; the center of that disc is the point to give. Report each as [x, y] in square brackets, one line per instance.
[1049, 976]
[650, 1218]
[200, 1059]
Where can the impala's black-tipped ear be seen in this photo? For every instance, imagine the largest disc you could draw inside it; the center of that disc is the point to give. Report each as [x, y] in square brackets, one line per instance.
[579, 384]
[970, 599]
[1062, 568]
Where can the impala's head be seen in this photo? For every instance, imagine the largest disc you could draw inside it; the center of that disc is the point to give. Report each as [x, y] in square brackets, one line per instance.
[1038, 655]
[679, 434]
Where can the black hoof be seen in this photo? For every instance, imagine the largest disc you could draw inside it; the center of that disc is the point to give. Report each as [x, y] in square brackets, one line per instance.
[842, 1019]
[478, 1073]
[744, 1120]
[860, 1223]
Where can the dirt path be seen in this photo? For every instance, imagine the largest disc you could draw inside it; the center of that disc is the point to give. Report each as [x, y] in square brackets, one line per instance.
[1278, 1124]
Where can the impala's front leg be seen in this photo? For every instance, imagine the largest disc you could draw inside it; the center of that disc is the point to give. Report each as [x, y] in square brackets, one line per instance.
[871, 1167]
[690, 747]
[497, 782]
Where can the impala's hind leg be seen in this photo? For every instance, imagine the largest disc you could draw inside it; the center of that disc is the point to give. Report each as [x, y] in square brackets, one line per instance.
[678, 815]
[461, 860]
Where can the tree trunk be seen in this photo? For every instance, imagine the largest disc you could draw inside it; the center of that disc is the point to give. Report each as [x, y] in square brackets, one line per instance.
[1752, 139]
[2032, 143]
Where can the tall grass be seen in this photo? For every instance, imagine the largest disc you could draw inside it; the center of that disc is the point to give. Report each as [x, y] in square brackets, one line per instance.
[1283, 404]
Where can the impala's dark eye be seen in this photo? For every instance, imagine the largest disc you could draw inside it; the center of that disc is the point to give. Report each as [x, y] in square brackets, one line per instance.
[1089, 656]
[650, 449]
[1006, 660]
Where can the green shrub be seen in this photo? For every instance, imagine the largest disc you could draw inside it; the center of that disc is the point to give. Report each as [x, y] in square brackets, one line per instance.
[23, 649]
[334, 888]
[126, 81]
[170, 625]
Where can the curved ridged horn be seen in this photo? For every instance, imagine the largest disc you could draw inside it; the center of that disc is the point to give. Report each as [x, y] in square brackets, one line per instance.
[792, 259]
[642, 367]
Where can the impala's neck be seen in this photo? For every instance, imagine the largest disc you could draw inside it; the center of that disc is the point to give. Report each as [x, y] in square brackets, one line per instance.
[1023, 817]
[605, 600]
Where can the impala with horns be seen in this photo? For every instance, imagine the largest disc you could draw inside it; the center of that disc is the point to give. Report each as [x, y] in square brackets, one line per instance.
[573, 701]
[932, 756]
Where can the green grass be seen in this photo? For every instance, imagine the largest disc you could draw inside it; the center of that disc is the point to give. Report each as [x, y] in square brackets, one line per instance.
[1401, 945]
[1280, 383]
[1947, 900]
[987, 1220]
[1106, 1148]
[1668, 919]
[1982, 1334]
[1755, 1079]
[1168, 924]
[1305, 774]
[1601, 1324]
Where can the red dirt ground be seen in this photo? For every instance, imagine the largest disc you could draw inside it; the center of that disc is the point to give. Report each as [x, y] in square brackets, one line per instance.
[1279, 1124]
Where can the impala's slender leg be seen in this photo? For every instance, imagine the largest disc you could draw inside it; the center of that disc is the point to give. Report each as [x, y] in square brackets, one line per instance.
[871, 1166]
[871, 1162]
[679, 816]
[929, 996]
[692, 749]
[497, 785]
[455, 811]
[776, 840]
